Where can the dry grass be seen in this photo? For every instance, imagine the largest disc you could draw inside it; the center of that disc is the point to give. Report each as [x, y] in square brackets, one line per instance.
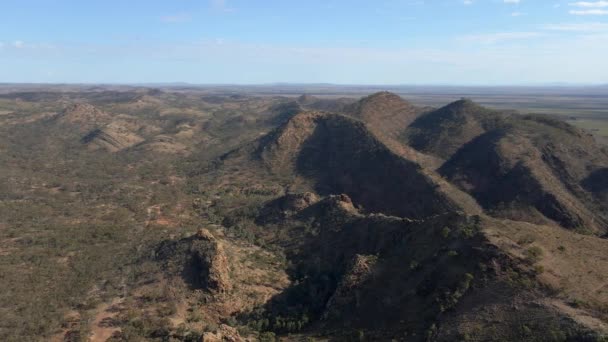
[574, 266]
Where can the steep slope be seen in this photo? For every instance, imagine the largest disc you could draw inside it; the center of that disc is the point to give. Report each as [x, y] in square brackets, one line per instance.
[200, 259]
[524, 167]
[379, 277]
[113, 137]
[533, 169]
[443, 131]
[597, 183]
[341, 156]
[386, 115]
[385, 112]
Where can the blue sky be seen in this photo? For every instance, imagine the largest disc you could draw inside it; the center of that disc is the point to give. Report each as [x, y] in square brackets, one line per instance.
[485, 42]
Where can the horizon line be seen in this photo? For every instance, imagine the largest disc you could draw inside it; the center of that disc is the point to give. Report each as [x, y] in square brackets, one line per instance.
[271, 84]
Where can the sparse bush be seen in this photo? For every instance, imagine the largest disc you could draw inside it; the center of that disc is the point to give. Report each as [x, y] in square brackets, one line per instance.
[445, 232]
[194, 316]
[526, 240]
[211, 327]
[414, 265]
[539, 269]
[268, 337]
[166, 310]
[533, 254]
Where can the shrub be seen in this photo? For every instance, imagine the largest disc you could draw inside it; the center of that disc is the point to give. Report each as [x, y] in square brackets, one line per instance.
[445, 232]
[534, 254]
[526, 240]
[268, 337]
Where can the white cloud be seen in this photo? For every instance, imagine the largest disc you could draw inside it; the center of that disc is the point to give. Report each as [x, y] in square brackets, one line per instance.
[1, 45]
[468, 2]
[589, 8]
[589, 12]
[512, 1]
[517, 14]
[590, 4]
[18, 44]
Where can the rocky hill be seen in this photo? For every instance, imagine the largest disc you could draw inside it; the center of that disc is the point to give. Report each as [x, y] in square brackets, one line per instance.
[524, 168]
[385, 112]
[440, 278]
[443, 131]
[529, 168]
[205, 215]
[341, 156]
[83, 115]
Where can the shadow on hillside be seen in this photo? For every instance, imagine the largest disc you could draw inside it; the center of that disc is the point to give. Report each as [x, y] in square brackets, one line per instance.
[342, 156]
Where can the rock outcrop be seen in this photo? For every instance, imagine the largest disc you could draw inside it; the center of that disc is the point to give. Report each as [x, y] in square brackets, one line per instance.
[209, 262]
[200, 259]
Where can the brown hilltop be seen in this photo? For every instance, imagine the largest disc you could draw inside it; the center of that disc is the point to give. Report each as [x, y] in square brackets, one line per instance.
[342, 156]
[386, 114]
[443, 131]
[525, 167]
[385, 107]
[507, 174]
[530, 168]
[84, 115]
[307, 99]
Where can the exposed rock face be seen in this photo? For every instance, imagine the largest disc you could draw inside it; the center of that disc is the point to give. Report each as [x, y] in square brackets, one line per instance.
[297, 202]
[200, 259]
[284, 207]
[209, 262]
[223, 334]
